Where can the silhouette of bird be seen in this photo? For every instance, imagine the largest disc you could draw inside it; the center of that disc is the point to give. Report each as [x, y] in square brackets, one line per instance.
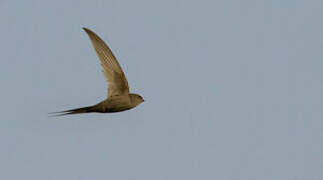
[119, 98]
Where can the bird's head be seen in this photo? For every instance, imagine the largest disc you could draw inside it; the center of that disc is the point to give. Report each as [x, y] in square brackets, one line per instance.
[136, 99]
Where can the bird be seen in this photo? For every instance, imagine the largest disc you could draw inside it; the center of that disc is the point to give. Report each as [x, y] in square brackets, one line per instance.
[119, 97]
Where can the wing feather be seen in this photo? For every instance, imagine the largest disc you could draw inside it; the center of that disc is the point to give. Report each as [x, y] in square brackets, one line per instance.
[117, 81]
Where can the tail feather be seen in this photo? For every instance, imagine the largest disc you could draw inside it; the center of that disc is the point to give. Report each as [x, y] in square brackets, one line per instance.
[73, 111]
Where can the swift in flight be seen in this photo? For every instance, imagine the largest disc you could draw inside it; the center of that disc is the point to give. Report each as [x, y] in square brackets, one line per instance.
[119, 98]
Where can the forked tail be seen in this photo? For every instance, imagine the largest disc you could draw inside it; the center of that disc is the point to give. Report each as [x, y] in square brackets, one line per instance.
[73, 111]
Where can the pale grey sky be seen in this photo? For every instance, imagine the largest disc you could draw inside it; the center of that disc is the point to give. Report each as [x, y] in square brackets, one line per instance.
[233, 90]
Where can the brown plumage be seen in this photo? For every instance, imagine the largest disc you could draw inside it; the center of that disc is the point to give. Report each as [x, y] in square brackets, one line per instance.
[118, 98]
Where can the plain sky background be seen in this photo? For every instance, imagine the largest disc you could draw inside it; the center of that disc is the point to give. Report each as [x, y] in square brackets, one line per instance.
[233, 90]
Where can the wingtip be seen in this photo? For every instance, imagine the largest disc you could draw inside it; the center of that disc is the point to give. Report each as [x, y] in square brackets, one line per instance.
[60, 113]
[86, 29]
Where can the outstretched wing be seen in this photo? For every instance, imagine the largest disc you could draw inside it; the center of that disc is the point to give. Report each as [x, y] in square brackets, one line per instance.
[117, 82]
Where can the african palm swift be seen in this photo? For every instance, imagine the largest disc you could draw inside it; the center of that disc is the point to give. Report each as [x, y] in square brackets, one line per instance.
[119, 98]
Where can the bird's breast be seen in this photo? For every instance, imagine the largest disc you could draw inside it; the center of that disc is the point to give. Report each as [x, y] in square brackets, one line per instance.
[117, 104]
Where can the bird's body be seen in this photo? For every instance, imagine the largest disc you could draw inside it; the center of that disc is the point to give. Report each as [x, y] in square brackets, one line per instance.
[119, 99]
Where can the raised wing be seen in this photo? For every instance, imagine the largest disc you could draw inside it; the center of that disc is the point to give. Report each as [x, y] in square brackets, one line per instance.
[117, 82]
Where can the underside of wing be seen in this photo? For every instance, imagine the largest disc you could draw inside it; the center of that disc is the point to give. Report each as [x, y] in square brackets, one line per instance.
[117, 82]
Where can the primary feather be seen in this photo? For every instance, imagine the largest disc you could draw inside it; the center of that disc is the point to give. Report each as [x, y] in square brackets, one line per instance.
[117, 81]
